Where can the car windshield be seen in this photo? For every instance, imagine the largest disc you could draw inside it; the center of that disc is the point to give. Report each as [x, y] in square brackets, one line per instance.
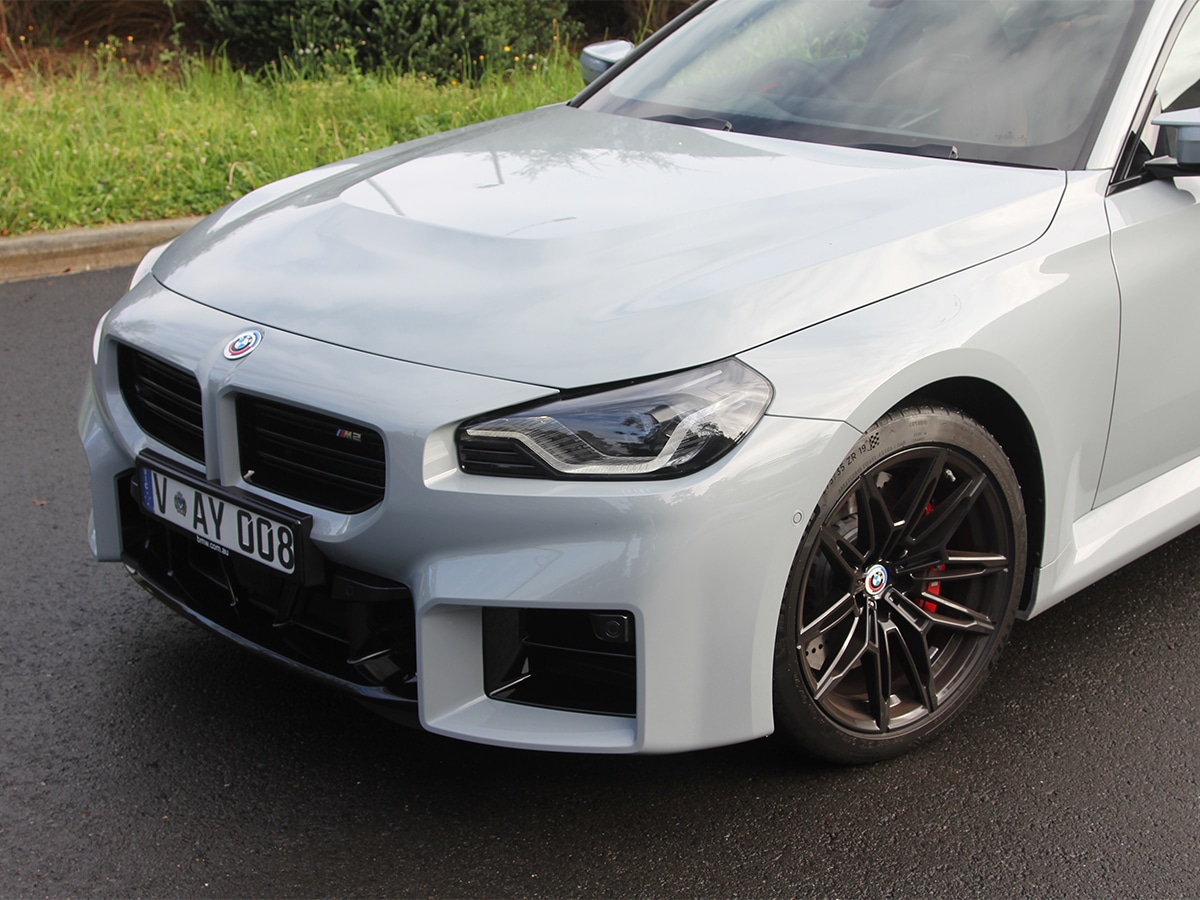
[1023, 82]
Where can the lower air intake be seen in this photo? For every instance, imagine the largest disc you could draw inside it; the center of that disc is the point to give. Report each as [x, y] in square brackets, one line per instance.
[568, 659]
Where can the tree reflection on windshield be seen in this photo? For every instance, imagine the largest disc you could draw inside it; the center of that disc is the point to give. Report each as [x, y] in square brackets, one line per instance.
[1022, 82]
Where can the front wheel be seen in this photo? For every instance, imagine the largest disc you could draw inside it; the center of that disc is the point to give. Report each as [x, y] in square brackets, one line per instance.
[904, 588]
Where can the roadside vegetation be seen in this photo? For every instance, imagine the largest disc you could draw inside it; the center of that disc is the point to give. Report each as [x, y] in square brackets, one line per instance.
[101, 142]
[132, 110]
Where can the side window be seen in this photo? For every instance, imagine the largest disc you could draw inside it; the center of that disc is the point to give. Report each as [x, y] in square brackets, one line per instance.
[1178, 86]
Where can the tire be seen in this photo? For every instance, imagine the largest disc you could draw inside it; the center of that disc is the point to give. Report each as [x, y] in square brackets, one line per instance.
[904, 588]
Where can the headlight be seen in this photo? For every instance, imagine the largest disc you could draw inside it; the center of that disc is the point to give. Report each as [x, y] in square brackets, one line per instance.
[664, 428]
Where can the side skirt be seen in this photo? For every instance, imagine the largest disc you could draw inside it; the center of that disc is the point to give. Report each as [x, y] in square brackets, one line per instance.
[1120, 531]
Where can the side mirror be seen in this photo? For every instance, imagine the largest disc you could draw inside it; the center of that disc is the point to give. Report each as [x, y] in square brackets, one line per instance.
[1186, 161]
[596, 59]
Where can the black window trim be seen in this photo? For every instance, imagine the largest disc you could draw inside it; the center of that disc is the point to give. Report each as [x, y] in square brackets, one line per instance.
[1122, 176]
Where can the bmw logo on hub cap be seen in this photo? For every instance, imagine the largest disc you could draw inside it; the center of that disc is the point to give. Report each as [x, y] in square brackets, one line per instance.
[876, 581]
[243, 344]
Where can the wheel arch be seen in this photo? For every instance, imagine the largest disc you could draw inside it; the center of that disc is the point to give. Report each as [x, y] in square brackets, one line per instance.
[996, 362]
[996, 410]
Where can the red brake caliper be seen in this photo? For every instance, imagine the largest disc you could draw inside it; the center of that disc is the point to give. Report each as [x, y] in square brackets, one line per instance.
[932, 587]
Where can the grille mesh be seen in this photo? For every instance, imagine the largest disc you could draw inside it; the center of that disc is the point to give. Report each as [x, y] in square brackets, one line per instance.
[164, 401]
[493, 456]
[308, 456]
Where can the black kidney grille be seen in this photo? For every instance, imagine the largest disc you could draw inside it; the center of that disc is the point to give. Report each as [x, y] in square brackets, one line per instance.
[328, 462]
[164, 400]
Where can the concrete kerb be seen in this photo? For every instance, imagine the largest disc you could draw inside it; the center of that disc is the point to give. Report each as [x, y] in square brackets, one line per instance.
[83, 249]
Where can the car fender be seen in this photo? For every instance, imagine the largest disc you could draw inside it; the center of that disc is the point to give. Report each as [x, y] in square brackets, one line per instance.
[1002, 322]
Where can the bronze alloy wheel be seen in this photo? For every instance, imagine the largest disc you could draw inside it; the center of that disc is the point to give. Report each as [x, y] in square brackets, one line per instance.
[904, 588]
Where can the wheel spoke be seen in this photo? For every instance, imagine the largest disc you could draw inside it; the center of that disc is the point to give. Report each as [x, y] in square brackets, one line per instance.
[947, 613]
[951, 565]
[841, 552]
[914, 655]
[971, 563]
[851, 651]
[878, 667]
[916, 500]
[939, 527]
[875, 520]
[827, 620]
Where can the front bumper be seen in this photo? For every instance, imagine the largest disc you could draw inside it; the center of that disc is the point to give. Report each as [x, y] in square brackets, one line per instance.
[696, 566]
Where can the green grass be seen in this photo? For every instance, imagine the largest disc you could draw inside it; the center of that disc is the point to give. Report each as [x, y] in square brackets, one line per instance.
[103, 144]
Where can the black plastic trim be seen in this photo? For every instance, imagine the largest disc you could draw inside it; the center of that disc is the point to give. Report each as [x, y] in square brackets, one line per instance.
[555, 659]
[317, 458]
[163, 399]
[344, 628]
[373, 693]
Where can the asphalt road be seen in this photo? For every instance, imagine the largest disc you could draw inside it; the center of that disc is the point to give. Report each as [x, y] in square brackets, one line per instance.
[140, 756]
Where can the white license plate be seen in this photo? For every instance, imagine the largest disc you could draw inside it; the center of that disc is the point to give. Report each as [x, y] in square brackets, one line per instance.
[219, 522]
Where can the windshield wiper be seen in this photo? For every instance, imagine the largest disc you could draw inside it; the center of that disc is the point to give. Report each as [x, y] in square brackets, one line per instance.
[713, 122]
[934, 151]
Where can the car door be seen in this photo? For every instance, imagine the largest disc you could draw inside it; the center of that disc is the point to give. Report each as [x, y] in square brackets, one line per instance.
[1155, 241]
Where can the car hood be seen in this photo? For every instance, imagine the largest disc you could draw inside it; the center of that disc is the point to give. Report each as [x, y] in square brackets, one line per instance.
[565, 248]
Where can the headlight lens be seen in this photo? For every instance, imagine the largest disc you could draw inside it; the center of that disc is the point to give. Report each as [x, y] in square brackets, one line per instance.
[664, 428]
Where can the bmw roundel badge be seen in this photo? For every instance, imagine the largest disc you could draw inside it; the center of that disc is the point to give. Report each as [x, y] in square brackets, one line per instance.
[876, 581]
[243, 344]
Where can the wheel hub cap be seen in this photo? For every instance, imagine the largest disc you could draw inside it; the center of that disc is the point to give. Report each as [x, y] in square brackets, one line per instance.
[875, 581]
